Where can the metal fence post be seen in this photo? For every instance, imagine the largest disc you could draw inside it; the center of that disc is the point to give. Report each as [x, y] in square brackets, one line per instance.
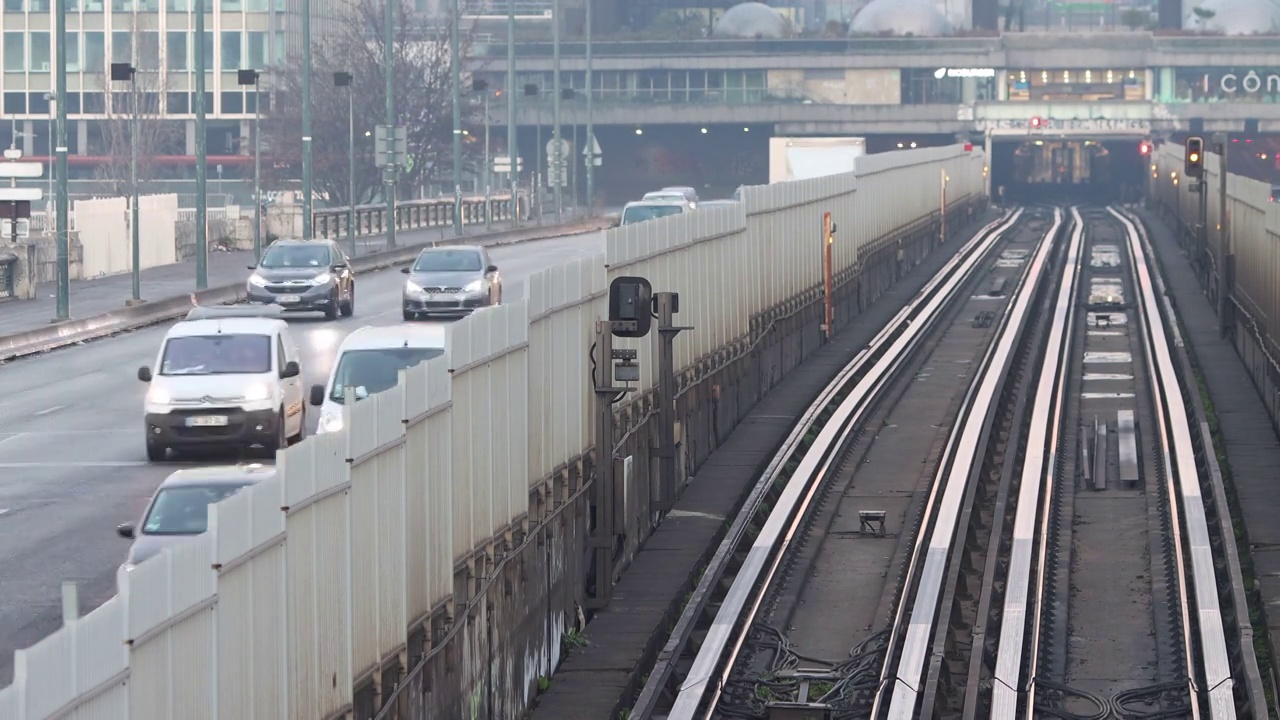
[668, 304]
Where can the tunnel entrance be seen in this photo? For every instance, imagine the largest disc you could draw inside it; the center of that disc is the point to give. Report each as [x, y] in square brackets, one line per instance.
[1075, 170]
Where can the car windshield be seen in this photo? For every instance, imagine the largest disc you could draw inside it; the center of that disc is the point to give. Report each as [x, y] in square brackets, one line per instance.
[184, 510]
[668, 195]
[376, 370]
[296, 255]
[449, 261]
[640, 213]
[216, 355]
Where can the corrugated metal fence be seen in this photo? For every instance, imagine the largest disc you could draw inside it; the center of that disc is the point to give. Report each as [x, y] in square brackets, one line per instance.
[407, 534]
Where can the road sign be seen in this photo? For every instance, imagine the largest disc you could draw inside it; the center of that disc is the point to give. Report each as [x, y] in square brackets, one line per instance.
[21, 169]
[502, 164]
[556, 175]
[591, 153]
[566, 149]
[6, 228]
[20, 193]
[391, 145]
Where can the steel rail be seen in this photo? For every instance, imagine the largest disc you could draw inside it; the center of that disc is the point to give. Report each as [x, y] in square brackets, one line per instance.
[915, 628]
[1214, 656]
[1036, 478]
[711, 666]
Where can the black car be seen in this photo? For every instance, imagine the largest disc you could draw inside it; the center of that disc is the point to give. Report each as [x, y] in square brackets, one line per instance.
[305, 276]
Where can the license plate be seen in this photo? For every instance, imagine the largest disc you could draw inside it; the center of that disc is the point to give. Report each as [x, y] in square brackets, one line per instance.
[442, 298]
[288, 299]
[207, 421]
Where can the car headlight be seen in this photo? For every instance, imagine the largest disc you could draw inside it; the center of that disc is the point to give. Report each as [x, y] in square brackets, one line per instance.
[412, 288]
[474, 287]
[157, 396]
[257, 281]
[322, 278]
[254, 393]
[331, 423]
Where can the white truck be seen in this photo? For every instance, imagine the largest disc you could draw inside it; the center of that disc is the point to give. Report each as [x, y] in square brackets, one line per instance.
[799, 158]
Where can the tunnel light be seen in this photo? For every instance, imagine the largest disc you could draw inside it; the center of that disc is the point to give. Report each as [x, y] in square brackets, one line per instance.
[704, 131]
[746, 129]
[639, 131]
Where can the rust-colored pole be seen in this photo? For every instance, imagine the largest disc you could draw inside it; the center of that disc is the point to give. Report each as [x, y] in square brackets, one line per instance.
[829, 310]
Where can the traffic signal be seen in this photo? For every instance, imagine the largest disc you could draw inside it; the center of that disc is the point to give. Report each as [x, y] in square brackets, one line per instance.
[1037, 122]
[1195, 157]
[1144, 147]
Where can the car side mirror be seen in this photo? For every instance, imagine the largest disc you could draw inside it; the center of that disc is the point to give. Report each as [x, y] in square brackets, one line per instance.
[406, 270]
[361, 392]
[290, 370]
[491, 269]
[125, 531]
[144, 374]
[317, 395]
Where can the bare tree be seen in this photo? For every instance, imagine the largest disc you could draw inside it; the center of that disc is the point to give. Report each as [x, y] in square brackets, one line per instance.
[422, 93]
[134, 119]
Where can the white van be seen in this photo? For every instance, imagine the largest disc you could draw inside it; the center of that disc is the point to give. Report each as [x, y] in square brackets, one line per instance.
[641, 210]
[225, 376]
[369, 361]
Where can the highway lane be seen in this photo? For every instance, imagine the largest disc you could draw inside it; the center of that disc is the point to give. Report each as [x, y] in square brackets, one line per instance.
[72, 461]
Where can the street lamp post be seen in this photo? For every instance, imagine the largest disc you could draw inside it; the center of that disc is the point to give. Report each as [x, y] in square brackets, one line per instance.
[49, 98]
[246, 78]
[343, 79]
[389, 76]
[590, 141]
[202, 169]
[557, 158]
[124, 72]
[60, 224]
[306, 119]
[482, 87]
[455, 68]
[513, 151]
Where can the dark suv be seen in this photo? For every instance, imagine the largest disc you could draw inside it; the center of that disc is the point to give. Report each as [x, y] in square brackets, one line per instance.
[305, 276]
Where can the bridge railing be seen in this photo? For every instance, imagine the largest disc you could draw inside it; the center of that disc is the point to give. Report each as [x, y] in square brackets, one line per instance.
[427, 559]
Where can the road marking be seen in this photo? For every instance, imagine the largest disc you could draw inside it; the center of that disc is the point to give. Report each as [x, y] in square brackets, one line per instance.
[90, 464]
[53, 409]
[4, 511]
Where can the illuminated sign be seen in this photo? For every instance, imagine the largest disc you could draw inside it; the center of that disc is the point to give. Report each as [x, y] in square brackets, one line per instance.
[1250, 82]
[1125, 125]
[964, 73]
[1228, 82]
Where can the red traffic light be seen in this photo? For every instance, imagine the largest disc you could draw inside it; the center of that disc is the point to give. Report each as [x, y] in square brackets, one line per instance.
[1144, 147]
[1037, 122]
[968, 147]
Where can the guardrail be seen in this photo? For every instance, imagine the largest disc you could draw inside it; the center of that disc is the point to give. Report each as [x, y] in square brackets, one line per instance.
[427, 558]
[332, 223]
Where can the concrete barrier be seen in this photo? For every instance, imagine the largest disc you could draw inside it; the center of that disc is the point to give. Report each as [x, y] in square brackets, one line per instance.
[34, 342]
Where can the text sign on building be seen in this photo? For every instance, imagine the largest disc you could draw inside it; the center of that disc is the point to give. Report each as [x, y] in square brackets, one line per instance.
[964, 73]
[1125, 125]
[1227, 82]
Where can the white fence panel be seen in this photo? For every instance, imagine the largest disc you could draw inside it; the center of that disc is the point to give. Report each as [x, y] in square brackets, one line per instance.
[564, 302]
[378, 506]
[157, 226]
[248, 535]
[317, 489]
[429, 488]
[170, 602]
[104, 236]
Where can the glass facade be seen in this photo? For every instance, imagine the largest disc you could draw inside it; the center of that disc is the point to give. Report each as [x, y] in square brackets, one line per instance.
[1223, 84]
[1077, 85]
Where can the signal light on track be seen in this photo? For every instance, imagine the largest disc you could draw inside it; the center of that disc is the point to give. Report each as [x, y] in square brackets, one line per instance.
[1144, 147]
[1037, 122]
[1194, 166]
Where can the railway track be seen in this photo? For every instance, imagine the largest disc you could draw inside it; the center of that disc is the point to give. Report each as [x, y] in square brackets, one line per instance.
[1063, 555]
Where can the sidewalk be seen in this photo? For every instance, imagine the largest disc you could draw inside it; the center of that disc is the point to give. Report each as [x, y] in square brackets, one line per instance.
[104, 294]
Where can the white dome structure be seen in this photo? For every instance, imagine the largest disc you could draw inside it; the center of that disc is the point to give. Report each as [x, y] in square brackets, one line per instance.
[751, 20]
[920, 18]
[1235, 17]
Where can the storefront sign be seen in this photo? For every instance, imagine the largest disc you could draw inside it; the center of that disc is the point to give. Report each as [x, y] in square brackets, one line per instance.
[964, 73]
[1231, 81]
[1124, 125]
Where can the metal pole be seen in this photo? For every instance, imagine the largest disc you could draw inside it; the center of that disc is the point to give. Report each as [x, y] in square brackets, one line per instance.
[1224, 238]
[60, 72]
[351, 167]
[202, 170]
[389, 75]
[590, 141]
[557, 159]
[257, 170]
[602, 539]
[306, 119]
[668, 305]
[828, 309]
[455, 65]
[488, 165]
[538, 178]
[133, 188]
[512, 150]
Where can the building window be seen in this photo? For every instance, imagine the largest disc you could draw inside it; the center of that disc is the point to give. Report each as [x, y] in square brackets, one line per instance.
[15, 103]
[13, 6]
[1077, 85]
[178, 56]
[178, 103]
[148, 50]
[231, 6]
[257, 5]
[253, 100]
[38, 6]
[73, 104]
[208, 55]
[38, 104]
[94, 103]
[233, 103]
[256, 52]
[95, 51]
[231, 50]
[15, 52]
[39, 50]
[73, 52]
[178, 5]
[277, 47]
[122, 6]
[122, 47]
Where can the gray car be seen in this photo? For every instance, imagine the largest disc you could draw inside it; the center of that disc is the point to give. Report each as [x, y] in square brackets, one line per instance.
[179, 509]
[305, 276]
[452, 280]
